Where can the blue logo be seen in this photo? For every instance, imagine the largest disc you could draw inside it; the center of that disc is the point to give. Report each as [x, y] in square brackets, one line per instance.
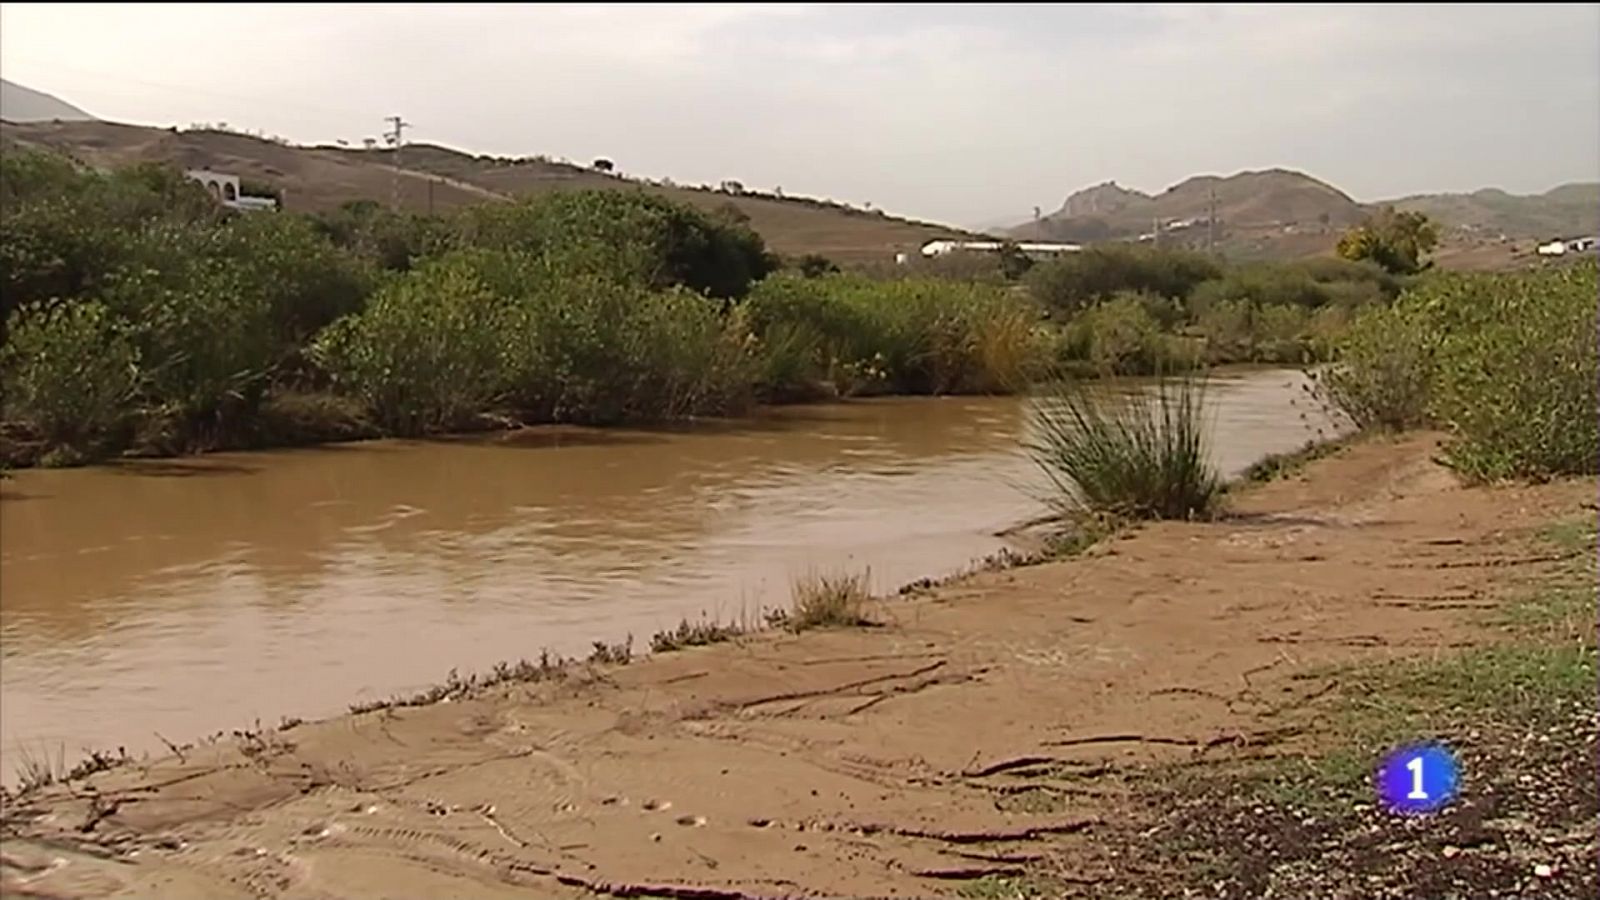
[1419, 778]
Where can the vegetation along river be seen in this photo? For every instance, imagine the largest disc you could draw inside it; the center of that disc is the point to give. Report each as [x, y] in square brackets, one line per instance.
[192, 595]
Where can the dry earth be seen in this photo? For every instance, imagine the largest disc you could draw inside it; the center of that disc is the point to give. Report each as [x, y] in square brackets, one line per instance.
[875, 762]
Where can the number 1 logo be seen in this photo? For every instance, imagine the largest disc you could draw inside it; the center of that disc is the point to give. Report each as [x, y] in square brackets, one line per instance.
[1420, 778]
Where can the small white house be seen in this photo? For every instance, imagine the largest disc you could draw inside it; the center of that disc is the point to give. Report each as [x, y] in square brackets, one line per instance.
[226, 189]
[942, 248]
[1560, 247]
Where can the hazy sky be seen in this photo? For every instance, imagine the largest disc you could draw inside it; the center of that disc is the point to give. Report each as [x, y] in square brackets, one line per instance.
[960, 114]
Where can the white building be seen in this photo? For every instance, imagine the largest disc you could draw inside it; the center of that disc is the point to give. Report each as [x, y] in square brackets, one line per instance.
[941, 248]
[226, 189]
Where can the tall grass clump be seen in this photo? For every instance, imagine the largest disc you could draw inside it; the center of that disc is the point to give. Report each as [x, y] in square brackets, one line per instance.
[828, 601]
[1141, 455]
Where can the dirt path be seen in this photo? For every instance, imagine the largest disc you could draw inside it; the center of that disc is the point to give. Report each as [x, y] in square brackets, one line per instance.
[870, 763]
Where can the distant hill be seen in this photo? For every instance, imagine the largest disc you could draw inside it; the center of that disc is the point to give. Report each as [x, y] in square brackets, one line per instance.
[1291, 211]
[440, 179]
[1571, 210]
[23, 104]
[1282, 214]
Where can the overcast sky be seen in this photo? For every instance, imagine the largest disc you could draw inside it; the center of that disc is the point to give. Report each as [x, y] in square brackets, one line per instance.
[960, 114]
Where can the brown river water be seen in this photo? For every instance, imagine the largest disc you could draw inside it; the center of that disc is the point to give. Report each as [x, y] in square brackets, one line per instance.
[193, 595]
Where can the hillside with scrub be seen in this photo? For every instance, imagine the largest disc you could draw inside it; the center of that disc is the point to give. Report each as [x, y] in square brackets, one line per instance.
[426, 178]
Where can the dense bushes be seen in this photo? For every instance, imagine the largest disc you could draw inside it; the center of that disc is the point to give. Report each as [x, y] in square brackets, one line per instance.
[848, 335]
[1132, 310]
[71, 370]
[631, 235]
[1505, 362]
[426, 353]
[1075, 281]
[144, 316]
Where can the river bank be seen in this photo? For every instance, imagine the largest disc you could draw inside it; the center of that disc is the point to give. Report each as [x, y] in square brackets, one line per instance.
[188, 596]
[974, 734]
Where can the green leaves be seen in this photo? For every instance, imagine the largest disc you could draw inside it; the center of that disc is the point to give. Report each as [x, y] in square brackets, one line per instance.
[69, 372]
[1506, 362]
[1397, 241]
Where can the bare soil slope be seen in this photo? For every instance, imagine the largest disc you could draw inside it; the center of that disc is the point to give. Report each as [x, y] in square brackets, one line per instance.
[865, 763]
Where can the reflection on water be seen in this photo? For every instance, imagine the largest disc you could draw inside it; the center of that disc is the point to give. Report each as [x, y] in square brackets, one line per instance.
[186, 596]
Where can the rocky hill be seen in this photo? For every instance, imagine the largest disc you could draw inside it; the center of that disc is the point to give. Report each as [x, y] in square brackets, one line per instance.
[1571, 210]
[1280, 213]
[1246, 206]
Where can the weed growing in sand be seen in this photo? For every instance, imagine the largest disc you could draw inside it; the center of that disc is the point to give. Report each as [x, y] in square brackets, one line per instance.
[693, 634]
[1133, 457]
[612, 654]
[42, 769]
[455, 687]
[1283, 465]
[35, 771]
[824, 601]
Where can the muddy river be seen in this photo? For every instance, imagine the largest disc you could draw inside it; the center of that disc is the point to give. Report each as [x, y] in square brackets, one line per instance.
[181, 597]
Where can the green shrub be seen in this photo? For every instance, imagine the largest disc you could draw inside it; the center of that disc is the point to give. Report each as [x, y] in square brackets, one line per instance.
[1140, 455]
[917, 336]
[70, 372]
[1515, 373]
[1505, 362]
[1075, 281]
[1120, 337]
[612, 353]
[628, 235]
[427, 354]
[1384, 369]
[307, 282]
[1280, 334]
[205, 342]
[815, 265]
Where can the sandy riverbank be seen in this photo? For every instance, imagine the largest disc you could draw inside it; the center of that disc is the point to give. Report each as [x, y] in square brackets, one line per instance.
[861, 763]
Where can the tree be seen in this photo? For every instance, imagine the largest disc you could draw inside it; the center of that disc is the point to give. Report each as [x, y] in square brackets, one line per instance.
[1013, 262]
[604, 165]
[815, 265]
[1395, 240]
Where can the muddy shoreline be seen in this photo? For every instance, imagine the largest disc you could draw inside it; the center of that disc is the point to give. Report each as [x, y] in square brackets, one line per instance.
[840, 763]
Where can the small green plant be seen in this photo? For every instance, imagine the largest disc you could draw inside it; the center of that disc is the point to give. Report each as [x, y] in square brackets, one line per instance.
[619, 654]
[1282, 465]
[1133, 456]
[693, 634]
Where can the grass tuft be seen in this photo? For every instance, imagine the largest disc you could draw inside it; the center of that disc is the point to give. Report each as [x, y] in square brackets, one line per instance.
[827, 601]
[1130, 457]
